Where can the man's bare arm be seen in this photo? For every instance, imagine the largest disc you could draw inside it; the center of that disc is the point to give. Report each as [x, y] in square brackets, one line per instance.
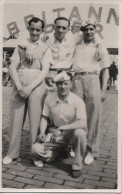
[14, 75]
[78, 124]
[104, 80]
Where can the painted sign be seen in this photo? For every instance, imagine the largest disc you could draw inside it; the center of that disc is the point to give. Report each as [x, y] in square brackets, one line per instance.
[106, 16]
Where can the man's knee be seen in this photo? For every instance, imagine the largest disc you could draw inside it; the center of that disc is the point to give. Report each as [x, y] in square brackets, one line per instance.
[80, 133]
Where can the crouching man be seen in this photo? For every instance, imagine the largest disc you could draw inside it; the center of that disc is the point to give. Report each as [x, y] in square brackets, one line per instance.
[68, 114]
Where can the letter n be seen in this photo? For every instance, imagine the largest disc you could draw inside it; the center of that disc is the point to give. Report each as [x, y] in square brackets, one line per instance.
[113, 13]
[93, 12]
[75, 13]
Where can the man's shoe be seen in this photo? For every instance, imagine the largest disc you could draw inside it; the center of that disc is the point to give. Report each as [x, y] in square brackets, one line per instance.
[76, 173]
[7, 160]
[88, 159]
[38, 163]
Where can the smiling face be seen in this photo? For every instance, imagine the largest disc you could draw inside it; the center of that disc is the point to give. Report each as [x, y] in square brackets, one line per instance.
[35, 30]
[63, 88]
[61, 28]
[89, 33]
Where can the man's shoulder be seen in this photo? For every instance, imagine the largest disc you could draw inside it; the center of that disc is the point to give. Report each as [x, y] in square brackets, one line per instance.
[80, 43]
[23, 42]
[43, 45]
[76, 99]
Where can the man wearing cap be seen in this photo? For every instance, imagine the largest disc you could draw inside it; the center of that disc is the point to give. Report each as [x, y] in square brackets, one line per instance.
[91, 59]
[67, 111]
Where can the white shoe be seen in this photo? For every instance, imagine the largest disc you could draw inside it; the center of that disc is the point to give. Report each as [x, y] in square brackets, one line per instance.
[7, 160]
[72, 154]
[38, 163]
[88, 159]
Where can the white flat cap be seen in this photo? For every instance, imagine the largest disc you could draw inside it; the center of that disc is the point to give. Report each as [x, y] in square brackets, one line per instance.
[61, 77]
[87, 22]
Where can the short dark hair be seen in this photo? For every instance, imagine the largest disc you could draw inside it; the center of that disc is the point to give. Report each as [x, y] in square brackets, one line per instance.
[62, 18]
[36, 20]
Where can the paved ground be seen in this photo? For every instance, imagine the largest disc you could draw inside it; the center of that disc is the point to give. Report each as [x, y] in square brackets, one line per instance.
[102, 174]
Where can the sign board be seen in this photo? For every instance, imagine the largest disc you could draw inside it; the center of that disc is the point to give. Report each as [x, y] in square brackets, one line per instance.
[16, 17]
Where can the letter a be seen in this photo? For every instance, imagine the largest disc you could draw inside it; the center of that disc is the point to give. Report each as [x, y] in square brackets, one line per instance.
[75, 13]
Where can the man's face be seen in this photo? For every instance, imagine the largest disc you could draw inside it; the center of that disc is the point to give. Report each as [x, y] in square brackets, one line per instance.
[63, 87]
[75, 28]
[89, 33]
[35, 30]
[61, 28]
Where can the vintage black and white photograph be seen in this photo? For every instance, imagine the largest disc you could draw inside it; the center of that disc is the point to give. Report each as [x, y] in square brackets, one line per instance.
[60, 85]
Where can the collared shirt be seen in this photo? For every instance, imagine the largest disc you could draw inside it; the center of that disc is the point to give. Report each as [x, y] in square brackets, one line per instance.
[62, 53]
[38, 50]
[64, 112]
[90, 57]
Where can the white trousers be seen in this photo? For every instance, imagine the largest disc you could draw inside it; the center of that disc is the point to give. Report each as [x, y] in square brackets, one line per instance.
[87, 87]
[19, 107]
[76, 138]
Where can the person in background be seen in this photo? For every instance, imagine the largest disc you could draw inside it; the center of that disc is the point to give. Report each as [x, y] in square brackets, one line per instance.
[75, 28]
[91, 59]
[68, 115]
[29, 86]
[113, 71]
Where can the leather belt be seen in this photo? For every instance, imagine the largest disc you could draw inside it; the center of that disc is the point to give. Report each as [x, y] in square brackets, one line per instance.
[59, 69]
[87, 73]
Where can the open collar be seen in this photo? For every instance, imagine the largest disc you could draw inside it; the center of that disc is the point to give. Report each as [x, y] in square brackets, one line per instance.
[94, 43]
[67, 100]
[38, 42]
[57, 41]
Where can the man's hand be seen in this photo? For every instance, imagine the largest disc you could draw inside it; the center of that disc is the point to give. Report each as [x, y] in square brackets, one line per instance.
[41, 138]
[44, 38]
[22, 94]
[25, 92]
[103, 96]
[62, 128]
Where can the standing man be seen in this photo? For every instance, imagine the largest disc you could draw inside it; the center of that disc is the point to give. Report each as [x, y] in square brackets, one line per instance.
[90, 59]
[69, 118]
[29, 86]
[62, 47]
